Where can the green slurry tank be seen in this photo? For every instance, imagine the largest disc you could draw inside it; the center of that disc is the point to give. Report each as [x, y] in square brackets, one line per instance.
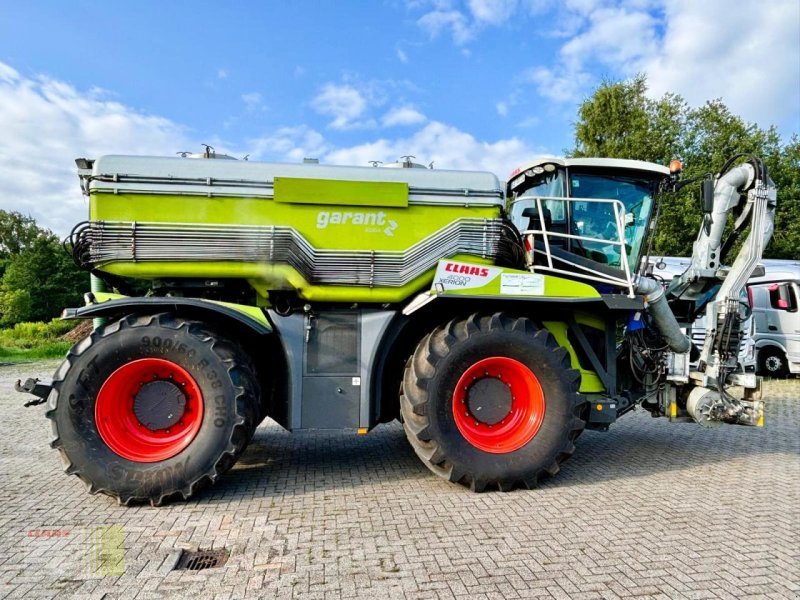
[496, 321]
[327, 233]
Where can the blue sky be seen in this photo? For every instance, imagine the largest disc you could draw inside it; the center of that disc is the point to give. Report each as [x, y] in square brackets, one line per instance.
[465, 84]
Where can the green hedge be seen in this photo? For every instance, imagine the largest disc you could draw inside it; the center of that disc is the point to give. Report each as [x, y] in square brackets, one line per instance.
[35, 340]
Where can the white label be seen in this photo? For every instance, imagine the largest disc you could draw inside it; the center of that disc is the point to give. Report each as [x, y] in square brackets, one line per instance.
[522, 284]
[356, 380]
[453, 275]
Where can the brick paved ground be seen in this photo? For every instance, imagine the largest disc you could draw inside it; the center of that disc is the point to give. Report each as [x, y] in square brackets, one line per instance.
[648, 510]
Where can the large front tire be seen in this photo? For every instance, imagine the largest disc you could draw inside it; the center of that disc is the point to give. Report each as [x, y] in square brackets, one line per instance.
[491, 402]
[152, 407]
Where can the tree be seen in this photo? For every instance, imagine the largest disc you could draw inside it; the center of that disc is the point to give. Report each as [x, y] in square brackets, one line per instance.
[17, 232]
[39, 278]
[619, 120]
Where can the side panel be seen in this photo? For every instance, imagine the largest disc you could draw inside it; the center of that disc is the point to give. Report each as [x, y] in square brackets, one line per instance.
[326, 253]
[330, 358]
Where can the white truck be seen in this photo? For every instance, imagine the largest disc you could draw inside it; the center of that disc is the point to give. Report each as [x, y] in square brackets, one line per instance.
[775, 298]
[770, 341]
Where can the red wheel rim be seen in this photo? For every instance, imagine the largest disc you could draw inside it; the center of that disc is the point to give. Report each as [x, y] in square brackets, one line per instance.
[524, 417]
[121, 429]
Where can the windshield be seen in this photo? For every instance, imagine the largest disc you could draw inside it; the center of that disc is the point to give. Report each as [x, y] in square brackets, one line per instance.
[597, 219]
[591, 219]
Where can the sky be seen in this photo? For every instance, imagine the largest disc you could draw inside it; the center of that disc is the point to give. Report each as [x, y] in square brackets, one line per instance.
[465, 84]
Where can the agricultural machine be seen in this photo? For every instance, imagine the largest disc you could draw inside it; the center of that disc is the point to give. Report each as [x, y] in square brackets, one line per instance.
[496, 321]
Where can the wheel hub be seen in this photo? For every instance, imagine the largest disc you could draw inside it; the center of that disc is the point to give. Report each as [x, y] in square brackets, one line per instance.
[498, 404]
[149, 410]
[773, 363]
[489, 400]
[159, 405]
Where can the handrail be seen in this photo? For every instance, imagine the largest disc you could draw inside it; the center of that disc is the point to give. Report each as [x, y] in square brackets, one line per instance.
[591, 274]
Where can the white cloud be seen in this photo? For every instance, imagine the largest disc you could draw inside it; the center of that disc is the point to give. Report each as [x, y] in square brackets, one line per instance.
[253, 101]
[748, 55]
[443, 20]
[343, 102]
[701, 50]
[7, 74]
[493, 12]
[464, 24]
[222, 74]
[402, 115]
[402, 56]
[615, 36]
[444, 145]
[290, 144]
[46, 123]
[502, 108]
[558, 85]
[352, 104]
[527, 122]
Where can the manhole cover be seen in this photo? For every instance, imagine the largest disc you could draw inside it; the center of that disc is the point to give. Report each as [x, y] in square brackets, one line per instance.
[197, 560]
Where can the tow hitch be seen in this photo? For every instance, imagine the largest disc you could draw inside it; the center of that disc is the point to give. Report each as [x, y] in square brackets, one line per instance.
[36, 387]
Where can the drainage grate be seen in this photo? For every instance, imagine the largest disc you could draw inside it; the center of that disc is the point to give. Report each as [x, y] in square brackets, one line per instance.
[197, 560]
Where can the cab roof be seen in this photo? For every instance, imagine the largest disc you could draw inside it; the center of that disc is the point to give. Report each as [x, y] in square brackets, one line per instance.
[607, 163]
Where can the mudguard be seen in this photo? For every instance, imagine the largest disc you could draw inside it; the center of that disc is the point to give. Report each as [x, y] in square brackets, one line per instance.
[115, 305]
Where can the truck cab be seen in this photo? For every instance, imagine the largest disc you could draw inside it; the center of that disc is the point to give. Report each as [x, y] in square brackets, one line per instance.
[775, 297]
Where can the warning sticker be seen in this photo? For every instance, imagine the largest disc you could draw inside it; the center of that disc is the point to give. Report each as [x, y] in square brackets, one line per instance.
[522, 284]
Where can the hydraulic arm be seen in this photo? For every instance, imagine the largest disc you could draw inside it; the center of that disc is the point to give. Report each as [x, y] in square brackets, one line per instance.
[745, 195]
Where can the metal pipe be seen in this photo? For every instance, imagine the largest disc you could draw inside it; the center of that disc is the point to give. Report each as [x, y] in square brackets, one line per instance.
[665, 320]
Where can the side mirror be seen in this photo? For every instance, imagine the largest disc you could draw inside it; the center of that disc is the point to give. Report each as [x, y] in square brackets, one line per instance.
[782, 297]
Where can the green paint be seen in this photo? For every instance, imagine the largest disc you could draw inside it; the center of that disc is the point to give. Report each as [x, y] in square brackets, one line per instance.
[590, 382]
[384, 228]
[342, 193]
[317, 224]
[101, 297]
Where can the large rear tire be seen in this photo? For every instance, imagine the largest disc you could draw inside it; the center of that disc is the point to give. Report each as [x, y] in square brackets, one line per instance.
[153, 407]
[491, 402]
